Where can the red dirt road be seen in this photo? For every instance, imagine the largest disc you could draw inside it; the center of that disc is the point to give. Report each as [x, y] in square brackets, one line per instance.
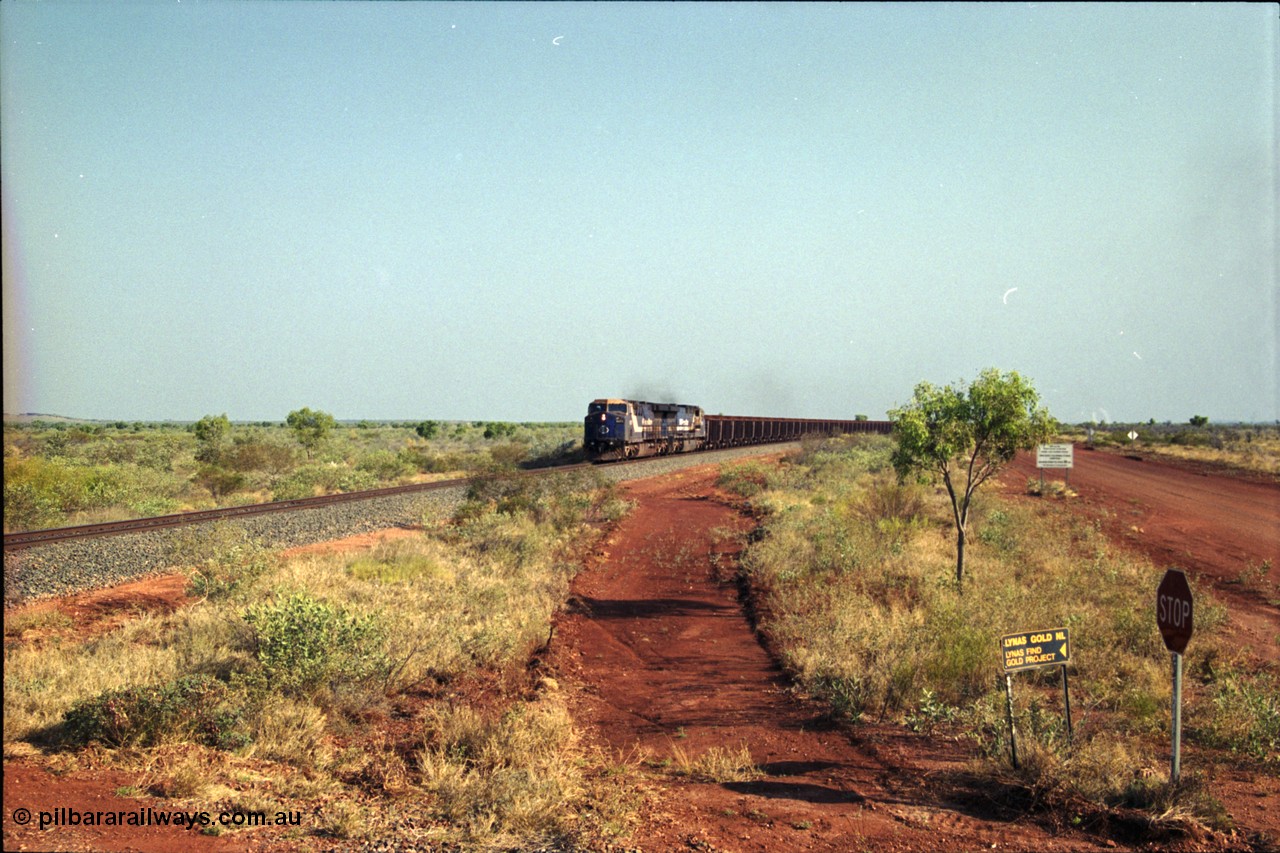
[1217, 528]
[657, 656]
[660, 663]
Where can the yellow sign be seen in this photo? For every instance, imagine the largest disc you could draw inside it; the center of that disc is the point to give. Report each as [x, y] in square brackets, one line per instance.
[1030, 649]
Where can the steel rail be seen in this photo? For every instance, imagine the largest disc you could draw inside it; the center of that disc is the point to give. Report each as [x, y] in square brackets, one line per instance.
[31, 538]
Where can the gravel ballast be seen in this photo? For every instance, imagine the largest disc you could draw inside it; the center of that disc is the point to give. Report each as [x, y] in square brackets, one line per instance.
[64, 568]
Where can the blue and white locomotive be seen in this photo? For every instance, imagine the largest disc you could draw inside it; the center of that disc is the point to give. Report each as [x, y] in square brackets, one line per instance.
[625, 429]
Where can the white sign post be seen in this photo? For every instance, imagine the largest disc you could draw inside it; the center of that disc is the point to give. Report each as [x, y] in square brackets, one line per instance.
[1055, 456]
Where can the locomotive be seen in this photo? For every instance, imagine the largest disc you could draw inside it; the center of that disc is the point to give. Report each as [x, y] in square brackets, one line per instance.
[627, 429]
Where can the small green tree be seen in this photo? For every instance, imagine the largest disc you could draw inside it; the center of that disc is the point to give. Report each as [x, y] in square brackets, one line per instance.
[1199, 421]
[428, 429]
[211, 434]
[965, 435]
[310, 428]
[219, 481]
[499, 429]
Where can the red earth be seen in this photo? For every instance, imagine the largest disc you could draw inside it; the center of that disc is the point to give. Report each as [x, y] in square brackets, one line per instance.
[659, 660]
[1216, 528]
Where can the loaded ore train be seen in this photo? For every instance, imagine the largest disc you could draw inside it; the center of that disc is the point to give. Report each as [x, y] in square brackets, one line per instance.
[627, 429]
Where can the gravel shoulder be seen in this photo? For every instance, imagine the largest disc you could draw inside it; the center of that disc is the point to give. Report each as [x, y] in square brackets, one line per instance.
[67, 568]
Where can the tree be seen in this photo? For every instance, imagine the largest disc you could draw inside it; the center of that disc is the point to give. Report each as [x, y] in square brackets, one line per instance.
[1199, 421]
[965, 435]
[498, 429]
[310, 428]
[211, 432]
[428, 429]
[218, 481]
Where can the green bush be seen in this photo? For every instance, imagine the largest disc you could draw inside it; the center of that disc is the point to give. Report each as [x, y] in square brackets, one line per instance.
[499, 429]
[321, 479]
[38, 492]
[745, 480]
[561, 500]
[220, 558]
[846, 695]
[249, 453]
[1245, 716]
[384, 465]
[195, 707]
[305, 644]
[1189, 438]
[219, 481]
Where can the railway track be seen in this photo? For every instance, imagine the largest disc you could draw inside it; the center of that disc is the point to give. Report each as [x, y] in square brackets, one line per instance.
[14, 542]
[62, 561]
[30, 538]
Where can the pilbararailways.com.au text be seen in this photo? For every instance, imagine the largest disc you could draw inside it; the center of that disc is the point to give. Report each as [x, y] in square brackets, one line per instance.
[63, 817]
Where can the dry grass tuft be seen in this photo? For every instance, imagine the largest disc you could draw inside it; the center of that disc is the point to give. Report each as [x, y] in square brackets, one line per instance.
[717, 764]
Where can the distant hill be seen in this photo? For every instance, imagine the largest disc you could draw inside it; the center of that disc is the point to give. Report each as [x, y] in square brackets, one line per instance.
[28, 417]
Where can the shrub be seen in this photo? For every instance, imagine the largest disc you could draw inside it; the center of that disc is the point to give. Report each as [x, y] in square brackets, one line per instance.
[745, 480]
[383, 465]
[321, 479]
[304, 645]
[1245, 716]
[248, 453]
[195, 707]
[499, 429]
[889, 500]
[509, 455]
[211, 433]
[562, 500]
[310, 428]
[219, 481]
[221, 559]
[39, 492]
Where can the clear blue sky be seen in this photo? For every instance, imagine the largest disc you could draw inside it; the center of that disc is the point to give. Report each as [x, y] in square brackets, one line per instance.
[503, 211]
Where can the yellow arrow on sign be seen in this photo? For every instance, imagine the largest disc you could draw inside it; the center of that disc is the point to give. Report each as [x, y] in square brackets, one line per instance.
[1064, 650]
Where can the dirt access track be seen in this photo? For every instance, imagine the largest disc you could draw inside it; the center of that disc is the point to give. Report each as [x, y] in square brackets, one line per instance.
[1213, 527]
[660, 663]
[659, 658]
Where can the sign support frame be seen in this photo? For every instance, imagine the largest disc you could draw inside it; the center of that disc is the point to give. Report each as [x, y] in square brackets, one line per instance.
[1011, 645]
[1066, 704]
[1008, 712]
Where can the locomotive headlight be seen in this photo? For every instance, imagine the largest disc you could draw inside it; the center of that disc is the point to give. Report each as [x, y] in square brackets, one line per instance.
[603, 416]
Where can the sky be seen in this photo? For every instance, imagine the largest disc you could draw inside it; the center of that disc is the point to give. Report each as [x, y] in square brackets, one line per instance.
[503, 211]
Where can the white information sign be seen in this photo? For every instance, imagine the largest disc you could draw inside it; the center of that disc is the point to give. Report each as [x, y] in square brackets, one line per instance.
[1054, 455]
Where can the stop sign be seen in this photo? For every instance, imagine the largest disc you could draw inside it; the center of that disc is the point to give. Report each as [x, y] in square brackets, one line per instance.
[1173, 610]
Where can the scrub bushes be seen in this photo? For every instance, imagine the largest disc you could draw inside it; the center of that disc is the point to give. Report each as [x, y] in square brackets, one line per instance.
[852, 572]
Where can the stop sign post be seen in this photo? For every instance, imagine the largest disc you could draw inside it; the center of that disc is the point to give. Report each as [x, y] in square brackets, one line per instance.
[1174, 613]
